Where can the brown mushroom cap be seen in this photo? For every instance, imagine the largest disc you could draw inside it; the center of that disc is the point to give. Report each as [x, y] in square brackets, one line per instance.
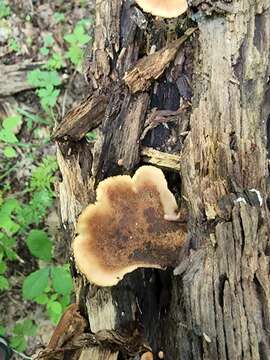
[164, 8]
[147, 356]
[126, 228]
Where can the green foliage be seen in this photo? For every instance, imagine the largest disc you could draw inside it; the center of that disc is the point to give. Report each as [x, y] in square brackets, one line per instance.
[50, 286]
[91, 136]
[22, 213]
[56, 62]
[35, 283]
[21, 331]
[4, 9]
[61, 280]
[7, 135]
[48, 41]
[14, 46]
[39, 244]
[15, 218]
[46, 82]
[32, 119]
[2, 330]
[59, 17]
[76, 40]
[43, 175]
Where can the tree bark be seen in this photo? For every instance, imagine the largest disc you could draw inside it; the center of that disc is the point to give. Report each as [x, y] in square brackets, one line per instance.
[195, 102]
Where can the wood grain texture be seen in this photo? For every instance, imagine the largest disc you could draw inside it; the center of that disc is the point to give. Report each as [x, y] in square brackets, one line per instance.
[14, 77]
[215, 305]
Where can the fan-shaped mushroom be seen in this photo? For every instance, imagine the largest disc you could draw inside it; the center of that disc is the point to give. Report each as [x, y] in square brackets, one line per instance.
[164, 8]
[127, 228]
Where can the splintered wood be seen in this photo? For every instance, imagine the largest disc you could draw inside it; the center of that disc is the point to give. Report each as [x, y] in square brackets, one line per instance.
[82, 118]
[152, 66]
[161, 159]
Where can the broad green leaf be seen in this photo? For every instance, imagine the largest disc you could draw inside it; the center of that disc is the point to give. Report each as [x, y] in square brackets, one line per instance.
[42, 299]
[39, 244]
[4, 285]
[8, 137]
[18, 343]
[44, 51]
[43, 79]
[54, 309]
[65, 300]
[35, 283]
[29, 328]
[9, 206]
[61, 280]
[11, 122]
[75, 54]
[3, 267]
[48, 40]
[2, 330]
[9, 152]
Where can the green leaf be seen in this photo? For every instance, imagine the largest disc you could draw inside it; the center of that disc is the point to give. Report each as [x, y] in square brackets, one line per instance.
[48, 97]
[42, 299]
[48, 40]
[8, 137]
[18, 343]
[81, 36]
[35, 283]
[65, 301]
[9, 152]
[4, 9]
[9, 207]
[12, 122]
[11, 254]
[75, 54]
[39, 244]
[2, 330]
[44, 51]
[4, 285]
[29, 329]
[58, 17]
[61, 280]
[55, 62]
[43, 79]
[3, 267]
[54, 309]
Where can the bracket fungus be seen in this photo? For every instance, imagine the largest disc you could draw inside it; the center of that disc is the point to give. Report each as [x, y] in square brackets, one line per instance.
[127, 228]
[164, 8]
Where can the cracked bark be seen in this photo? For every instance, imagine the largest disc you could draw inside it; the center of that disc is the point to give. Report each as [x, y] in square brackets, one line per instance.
[215, 304]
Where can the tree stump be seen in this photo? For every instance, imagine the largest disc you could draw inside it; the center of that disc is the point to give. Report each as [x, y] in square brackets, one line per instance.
[192, 96]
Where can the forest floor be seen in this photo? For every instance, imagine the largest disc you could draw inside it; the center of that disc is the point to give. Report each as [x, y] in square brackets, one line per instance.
[42, 47]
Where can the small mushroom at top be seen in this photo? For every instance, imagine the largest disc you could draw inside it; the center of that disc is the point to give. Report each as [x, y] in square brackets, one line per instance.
[147, 356]
[127, 228]
[164, 8]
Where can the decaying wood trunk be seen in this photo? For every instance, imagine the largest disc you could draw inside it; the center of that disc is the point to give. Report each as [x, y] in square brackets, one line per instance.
[191, 96]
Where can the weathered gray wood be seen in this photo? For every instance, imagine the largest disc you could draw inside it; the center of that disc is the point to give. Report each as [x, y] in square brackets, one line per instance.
[215, 305]
[14, 77]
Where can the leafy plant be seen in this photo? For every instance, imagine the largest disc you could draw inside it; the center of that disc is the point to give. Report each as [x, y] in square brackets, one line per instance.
[76, 40]
[50, 286]
[48, 41]
[32, 119]
[46, 82]
[59, 17]
[13, 45]
[7, 134]
[55, 62]
[21, 331]
[91, 136]
[4, 9]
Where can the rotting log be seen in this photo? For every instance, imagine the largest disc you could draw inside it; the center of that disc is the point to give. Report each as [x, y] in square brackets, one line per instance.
[14, 77]
[215, 304]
